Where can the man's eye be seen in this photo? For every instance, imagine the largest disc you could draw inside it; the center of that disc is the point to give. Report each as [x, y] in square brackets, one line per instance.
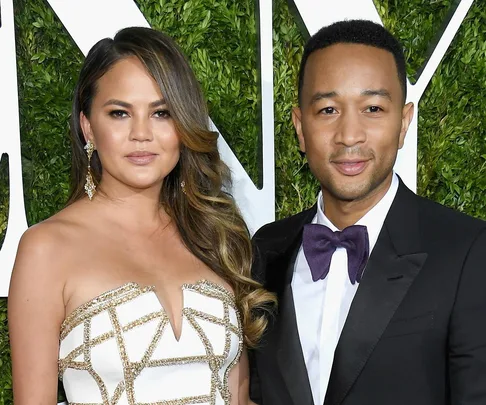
[118, 114]
[374, 109]
[162, 113]
[328, 110]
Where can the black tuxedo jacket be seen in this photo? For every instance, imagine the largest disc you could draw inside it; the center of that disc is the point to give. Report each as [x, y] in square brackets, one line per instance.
[416, 330]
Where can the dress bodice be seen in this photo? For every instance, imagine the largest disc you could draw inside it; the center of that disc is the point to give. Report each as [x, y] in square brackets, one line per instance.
[120, 348]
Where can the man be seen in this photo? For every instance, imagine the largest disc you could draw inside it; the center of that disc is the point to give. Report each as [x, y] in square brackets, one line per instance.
[392, 310]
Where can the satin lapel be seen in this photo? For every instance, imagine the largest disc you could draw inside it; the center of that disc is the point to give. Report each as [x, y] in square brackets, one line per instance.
[283, 336]
[289, 351]
[387, 278]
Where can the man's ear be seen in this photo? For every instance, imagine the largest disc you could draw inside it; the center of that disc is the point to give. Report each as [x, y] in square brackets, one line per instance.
[296, 119]
[86, 127]
[407, 116]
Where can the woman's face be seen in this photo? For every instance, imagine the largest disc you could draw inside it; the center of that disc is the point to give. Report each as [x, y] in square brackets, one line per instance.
[131, 128]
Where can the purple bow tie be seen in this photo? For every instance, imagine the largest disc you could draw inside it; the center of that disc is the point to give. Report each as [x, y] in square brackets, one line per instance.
[320, 243]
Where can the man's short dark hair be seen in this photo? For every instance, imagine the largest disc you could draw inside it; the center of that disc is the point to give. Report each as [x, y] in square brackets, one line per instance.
[362, 32]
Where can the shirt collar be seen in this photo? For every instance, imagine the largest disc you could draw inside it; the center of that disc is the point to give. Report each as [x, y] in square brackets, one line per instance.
[373, 219]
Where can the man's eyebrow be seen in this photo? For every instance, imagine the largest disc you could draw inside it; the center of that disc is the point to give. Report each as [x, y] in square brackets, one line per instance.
[379, 92]
[124, 104]
[323, 95]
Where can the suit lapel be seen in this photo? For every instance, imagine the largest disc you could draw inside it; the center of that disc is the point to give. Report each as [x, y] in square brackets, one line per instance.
[394, 263]
[289, 352]
[283, 336]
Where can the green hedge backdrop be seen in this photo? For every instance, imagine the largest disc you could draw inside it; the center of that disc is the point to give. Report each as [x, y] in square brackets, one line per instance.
[220, 38]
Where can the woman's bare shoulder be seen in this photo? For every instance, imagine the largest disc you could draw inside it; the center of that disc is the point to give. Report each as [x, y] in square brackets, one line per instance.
[51, 241]
[48, 234]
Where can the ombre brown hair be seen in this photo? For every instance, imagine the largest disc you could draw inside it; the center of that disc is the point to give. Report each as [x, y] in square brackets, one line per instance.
[206, 216]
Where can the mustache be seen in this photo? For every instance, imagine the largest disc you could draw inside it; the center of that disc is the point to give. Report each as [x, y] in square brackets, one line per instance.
[354, 152]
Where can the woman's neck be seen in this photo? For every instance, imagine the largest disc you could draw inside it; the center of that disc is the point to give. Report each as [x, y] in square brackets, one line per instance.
[136, 209]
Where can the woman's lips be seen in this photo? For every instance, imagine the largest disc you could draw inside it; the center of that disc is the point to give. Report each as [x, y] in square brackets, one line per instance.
[351, 168]
[141, 158]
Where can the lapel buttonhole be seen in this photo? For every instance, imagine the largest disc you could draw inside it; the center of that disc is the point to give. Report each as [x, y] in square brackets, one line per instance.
[395, 277]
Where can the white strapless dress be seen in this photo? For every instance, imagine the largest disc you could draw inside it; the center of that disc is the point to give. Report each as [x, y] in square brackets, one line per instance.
[120, 348]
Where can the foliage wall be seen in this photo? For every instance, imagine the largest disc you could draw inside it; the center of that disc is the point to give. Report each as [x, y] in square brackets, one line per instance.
[220, 38]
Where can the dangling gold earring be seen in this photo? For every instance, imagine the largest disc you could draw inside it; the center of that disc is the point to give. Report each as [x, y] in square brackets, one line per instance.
[89, 186]
[183, 186]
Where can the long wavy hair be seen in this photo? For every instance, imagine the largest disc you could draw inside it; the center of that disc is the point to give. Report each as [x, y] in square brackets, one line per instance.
[206, 215]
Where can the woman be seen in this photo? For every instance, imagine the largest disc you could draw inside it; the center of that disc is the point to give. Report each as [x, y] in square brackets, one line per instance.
[139, 290]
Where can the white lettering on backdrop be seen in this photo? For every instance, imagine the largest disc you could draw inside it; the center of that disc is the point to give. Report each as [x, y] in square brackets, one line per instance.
[257, 205]
[10, 144]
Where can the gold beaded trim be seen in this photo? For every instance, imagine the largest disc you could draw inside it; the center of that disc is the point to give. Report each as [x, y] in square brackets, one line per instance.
[129, 291]
[95, 306]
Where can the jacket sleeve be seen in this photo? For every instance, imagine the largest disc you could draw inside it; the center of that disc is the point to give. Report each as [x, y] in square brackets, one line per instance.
[255, 389]
[257, 273]
[467, 330]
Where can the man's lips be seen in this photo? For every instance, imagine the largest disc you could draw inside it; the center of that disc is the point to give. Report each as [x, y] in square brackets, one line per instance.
[351, 167]
[141, 157]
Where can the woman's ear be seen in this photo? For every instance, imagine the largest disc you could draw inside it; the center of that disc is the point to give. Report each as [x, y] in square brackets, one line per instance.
[86, 127]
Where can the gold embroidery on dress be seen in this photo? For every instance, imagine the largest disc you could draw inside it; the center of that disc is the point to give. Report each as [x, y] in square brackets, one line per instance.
[107, 302]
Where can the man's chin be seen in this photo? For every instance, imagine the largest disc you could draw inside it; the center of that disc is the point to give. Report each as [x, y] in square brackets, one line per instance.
[349, 192]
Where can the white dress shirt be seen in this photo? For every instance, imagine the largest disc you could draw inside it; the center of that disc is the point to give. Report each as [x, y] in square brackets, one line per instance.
[323, 305]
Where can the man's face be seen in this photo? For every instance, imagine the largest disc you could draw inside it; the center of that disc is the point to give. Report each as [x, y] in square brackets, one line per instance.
[351, 121]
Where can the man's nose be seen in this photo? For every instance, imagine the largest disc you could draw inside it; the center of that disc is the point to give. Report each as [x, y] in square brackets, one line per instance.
[350, 131]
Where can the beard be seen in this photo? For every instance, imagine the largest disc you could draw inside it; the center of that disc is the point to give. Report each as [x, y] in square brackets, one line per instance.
[355, 190]
[362, 186]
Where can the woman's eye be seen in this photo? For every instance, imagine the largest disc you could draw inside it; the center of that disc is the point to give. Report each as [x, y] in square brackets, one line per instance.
[162, 113]
[118, 114]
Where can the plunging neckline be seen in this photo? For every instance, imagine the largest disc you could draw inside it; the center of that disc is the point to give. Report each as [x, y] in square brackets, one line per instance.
[146, 289]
